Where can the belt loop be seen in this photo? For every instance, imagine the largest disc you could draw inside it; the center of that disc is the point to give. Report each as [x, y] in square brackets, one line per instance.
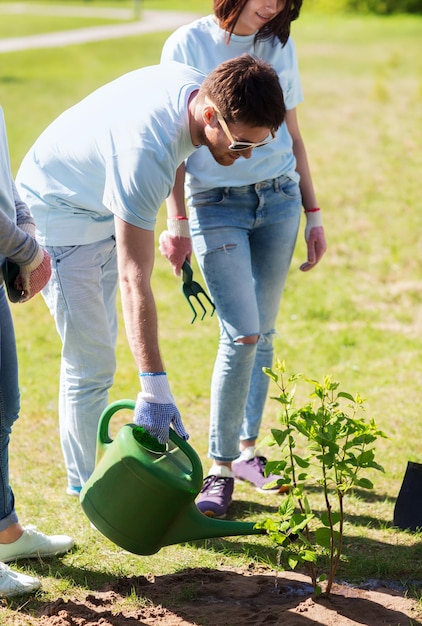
[276, 184]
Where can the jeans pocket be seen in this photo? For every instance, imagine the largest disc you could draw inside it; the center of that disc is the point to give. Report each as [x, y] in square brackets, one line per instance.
[59, 253]
[208, 198]
[290, 189]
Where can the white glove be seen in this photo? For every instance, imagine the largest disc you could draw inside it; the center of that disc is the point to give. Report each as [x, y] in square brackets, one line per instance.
[155, 408]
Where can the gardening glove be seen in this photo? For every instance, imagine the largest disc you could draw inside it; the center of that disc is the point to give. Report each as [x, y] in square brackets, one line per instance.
[34, 276]
[155, 409]
[315, 238]
[175, 243]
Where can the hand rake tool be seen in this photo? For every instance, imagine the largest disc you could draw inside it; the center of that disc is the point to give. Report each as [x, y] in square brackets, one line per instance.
[192, 289]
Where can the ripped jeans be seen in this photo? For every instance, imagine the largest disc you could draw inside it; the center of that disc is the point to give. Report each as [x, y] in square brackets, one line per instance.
[244, 238]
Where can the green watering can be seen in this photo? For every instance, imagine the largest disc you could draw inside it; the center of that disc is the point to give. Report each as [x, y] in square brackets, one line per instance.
[141, 494]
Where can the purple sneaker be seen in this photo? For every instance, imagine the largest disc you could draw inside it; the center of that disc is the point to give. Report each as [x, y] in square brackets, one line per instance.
[253, 472]
[216, 496]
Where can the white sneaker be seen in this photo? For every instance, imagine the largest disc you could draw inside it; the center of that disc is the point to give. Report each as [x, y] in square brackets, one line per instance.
[14, 583]
[32, 544]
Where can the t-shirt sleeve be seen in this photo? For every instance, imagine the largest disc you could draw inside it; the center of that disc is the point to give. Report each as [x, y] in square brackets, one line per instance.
[137, 183]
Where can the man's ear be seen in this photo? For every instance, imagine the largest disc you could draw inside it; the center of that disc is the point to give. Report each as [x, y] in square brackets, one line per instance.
[209, 116]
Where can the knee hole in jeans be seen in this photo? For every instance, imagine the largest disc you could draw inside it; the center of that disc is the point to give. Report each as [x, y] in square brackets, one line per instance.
[251, 339]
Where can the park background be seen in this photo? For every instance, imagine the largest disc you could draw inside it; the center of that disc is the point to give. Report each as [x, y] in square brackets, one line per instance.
[357, 316]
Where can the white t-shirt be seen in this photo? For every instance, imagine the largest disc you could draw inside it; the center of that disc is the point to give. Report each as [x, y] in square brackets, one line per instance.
[115, 152]
[203, 44]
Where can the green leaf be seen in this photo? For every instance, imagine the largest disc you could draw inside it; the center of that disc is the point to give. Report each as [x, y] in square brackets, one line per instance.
[287, 507]
[280, 435]
[343, 394]
[335, 518]
[280, 366]
[365, 483]
[275, 467]
[376, 466]
[302, 477]
[307, 506]
[309, 555]
[323, 537]
[293, 560]
[269, 372]
[365, 457]
[303, 463]
[318, 590]
[299, 521]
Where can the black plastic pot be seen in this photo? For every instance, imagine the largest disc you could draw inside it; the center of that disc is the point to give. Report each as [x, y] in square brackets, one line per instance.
[408, 507]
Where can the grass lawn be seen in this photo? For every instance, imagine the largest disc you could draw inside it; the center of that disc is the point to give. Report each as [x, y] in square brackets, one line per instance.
[357, 316]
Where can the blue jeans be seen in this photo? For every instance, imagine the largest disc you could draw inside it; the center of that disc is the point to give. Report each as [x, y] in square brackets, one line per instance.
[9, 408]
[81, 296]
[244, 238]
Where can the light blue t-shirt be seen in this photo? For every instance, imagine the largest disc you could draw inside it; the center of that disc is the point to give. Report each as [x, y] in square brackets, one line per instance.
[203, 44]
[114, 153]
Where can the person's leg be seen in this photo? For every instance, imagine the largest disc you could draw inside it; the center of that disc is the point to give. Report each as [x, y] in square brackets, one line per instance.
[221, 222]
[272, 244]
[9, 410]
[81, 296]
[15, 541]
[244, 240]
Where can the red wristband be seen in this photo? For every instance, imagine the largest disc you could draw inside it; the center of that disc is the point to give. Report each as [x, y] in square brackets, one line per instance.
[312, 210]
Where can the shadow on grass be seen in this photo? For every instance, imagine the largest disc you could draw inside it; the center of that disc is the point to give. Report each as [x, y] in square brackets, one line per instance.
[363, 557]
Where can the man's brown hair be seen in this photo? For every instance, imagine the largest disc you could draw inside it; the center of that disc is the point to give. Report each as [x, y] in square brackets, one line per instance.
[246, 90]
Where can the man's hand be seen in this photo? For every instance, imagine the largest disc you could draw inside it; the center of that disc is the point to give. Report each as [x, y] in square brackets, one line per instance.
[34, 277]
[175, 243]
[157, 418]
[155, 408]
[315, 239]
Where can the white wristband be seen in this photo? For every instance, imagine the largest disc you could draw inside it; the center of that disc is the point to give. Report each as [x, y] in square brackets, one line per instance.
[178, 227]
[313, 218]
[155, 388]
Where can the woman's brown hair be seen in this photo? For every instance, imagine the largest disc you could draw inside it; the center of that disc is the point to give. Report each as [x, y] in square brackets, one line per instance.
[227, 12]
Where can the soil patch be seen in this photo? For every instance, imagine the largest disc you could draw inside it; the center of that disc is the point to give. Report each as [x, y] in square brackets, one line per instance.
[231, 597]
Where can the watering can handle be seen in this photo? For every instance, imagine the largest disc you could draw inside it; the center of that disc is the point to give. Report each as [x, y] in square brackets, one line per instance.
[104, 437]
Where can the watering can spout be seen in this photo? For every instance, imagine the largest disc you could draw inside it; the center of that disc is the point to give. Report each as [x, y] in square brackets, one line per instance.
[141, 494]
[192, 525]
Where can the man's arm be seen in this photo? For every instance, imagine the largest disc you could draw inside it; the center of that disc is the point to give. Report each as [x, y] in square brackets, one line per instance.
[155, 408]
[135, 255]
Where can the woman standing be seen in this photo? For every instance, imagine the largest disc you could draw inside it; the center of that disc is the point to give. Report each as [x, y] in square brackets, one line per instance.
[244, 222]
